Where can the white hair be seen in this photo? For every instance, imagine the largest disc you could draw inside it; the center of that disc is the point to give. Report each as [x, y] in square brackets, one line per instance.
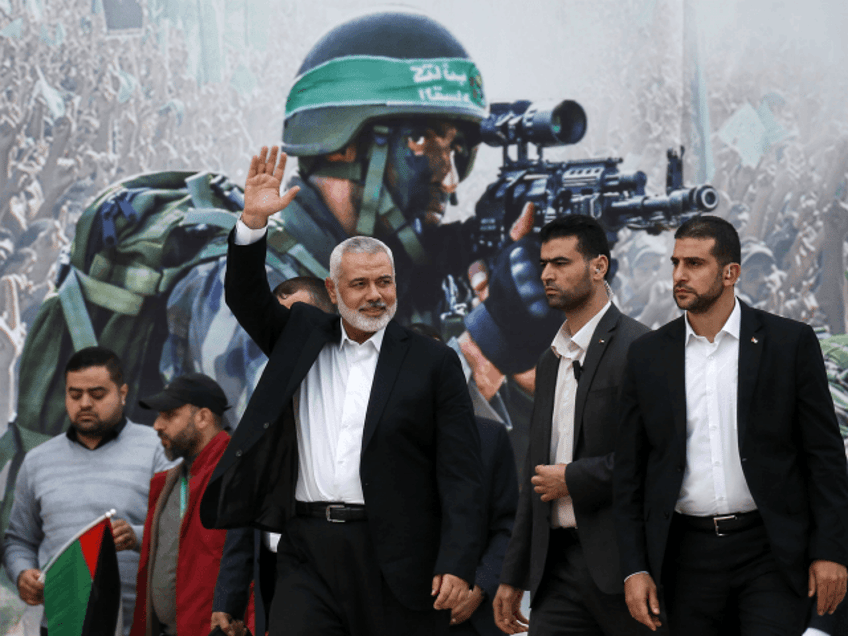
[357, 245]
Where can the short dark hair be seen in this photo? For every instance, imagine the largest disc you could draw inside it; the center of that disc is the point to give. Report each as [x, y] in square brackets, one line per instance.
[727, 248]
[311, 285]
[97, 357]
[591, 236]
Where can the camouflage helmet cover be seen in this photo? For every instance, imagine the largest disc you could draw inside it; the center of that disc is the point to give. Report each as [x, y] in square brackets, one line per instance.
[380, 65]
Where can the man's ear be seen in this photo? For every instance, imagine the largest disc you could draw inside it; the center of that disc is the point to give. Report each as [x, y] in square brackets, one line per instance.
[731, 274]
[204, 418]
[331, 290]
[123, 390]
[599, 267]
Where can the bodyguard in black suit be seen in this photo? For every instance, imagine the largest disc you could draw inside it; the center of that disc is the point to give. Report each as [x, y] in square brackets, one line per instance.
[500, 494]
[563, 546]
[730, 476]
[411, 546]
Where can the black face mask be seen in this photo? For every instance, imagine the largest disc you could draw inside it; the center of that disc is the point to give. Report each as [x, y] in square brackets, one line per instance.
[409, 176]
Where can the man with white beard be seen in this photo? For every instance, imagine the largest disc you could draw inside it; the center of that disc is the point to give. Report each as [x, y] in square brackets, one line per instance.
[359, 444]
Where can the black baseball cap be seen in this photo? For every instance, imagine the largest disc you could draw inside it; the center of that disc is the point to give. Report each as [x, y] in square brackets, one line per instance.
[196, 389]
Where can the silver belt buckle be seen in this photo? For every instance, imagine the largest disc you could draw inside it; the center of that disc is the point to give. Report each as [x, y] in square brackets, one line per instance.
[716, 521]
[327, 512]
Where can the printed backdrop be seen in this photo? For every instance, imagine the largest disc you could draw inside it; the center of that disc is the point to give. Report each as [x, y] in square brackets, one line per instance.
[92, 91]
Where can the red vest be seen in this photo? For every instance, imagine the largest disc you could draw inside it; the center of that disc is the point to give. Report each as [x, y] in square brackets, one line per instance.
[199, 552]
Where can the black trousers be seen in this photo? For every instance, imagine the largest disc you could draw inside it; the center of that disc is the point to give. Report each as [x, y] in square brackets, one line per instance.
[728, 585]
[568, 601]
[329, 583]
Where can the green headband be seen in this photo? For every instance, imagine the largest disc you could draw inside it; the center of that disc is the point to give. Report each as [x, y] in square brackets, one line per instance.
[439, 83]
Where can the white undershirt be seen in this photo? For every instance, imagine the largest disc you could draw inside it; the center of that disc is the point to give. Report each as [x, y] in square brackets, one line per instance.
[713, 483]
[568, 348]
[329, 408]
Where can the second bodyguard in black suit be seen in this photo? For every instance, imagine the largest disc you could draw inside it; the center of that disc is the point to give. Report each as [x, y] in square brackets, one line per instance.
[359, 445]
[563, 546]
[731, 493]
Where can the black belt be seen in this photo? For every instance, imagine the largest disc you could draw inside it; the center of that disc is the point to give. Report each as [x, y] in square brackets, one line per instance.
[334, 512]
[723, 525]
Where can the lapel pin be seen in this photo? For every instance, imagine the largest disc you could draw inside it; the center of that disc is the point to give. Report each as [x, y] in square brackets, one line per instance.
[601, 341]
[754, 340]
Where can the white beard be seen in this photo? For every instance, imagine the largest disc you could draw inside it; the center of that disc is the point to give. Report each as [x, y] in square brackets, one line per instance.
[363, 322]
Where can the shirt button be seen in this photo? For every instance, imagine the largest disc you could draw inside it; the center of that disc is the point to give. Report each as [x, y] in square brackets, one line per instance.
[716, 463]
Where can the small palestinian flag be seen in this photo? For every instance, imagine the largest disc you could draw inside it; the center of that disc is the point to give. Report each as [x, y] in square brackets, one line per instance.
[82, 586]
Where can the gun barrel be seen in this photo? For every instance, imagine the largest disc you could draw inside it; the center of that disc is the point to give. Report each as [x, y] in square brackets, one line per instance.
[703, 198]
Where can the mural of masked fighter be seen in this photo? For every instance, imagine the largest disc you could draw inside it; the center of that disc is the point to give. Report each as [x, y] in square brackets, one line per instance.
[383, 118]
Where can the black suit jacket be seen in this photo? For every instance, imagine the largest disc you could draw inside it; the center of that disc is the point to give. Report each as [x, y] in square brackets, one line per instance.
[420, 462]
[792, 455]
[500, 492]
[589, 476]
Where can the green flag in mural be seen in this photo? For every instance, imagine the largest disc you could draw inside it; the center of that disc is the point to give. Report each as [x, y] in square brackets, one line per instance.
[82, 587]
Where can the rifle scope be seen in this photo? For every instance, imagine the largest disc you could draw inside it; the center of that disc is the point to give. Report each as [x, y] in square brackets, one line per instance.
[541, 124]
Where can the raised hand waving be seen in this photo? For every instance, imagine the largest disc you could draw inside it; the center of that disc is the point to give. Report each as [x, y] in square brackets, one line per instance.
[262, 189]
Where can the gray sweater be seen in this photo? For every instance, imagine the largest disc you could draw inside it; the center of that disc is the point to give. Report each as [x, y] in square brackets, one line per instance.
[63, 486]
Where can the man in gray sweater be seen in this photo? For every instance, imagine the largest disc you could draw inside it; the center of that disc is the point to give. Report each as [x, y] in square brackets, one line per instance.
[102, 462]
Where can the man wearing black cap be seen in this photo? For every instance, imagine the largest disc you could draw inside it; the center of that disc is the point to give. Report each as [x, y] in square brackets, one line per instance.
[179, 557]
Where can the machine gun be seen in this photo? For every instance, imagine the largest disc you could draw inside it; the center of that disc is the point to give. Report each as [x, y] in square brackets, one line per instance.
[594, 187]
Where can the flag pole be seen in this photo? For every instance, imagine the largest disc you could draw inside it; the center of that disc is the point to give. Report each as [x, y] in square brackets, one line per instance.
[50, 563]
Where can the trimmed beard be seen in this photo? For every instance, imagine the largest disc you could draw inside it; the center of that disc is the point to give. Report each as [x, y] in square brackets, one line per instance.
[702, 302]
[363, 322]
[95, 427]
[183, 443]
[575, 298]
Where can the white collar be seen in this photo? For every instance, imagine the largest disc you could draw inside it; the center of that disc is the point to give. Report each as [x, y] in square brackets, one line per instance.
[731, 327]
[564, 344]
[376, 339]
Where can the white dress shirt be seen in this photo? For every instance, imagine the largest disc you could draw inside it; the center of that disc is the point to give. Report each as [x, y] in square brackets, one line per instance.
[568, 349]
[329, 411]
[329, 408]
[713, 483]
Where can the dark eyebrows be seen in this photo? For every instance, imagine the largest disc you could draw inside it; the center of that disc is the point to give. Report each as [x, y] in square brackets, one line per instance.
[90, 390]
[692, 260]
[556, 260]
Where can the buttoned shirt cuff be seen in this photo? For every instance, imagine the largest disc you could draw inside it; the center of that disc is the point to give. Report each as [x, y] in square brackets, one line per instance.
[635, 573]
[247, 236]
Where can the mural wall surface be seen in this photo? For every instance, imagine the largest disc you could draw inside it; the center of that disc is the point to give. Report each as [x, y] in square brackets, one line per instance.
[93, 92]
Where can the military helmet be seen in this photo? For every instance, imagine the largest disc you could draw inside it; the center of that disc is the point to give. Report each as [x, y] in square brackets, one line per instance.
[380, 65]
